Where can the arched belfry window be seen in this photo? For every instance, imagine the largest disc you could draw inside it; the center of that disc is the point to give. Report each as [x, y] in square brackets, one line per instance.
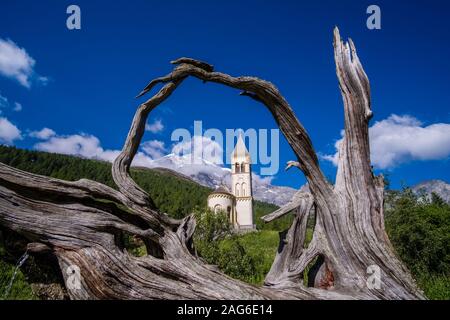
[242, 167]
[236, 166]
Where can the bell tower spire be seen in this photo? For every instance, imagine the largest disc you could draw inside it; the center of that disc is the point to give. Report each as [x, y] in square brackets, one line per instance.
[241, 184]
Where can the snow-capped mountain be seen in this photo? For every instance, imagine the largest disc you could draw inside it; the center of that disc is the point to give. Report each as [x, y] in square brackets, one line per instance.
[212, 175]
[441, 188]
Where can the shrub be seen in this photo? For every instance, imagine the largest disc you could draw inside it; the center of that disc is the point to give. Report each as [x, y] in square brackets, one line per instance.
[216, 244]
[419, 229]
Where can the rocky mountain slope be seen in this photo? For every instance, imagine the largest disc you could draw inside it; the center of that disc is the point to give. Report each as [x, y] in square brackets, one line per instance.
[441, 188]
[212, 175]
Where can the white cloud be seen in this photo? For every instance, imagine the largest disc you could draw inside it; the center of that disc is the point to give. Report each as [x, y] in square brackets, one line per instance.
[155, 127]
[17, 64]
[200, 149]
[202, 156]
[154, 148]
[17, 106]
[83, 145]
[333, 158]
[399, 139]
[3, 102]
[258, 180]
[43, 80]
[8, 132]
[43, 134]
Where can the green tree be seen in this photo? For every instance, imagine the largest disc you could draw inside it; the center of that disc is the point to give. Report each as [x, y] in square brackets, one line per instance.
[419, 229]
[216, 243]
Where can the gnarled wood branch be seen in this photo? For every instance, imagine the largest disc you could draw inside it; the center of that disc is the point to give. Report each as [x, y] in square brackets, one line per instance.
[82, 222]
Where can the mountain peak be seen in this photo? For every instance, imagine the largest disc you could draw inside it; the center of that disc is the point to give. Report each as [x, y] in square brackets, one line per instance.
[440, 187]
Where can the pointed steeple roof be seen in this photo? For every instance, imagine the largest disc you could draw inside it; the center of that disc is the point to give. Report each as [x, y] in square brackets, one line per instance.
[240, 152]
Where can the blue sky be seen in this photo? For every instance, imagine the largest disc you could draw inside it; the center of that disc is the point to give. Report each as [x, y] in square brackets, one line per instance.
[84, 81]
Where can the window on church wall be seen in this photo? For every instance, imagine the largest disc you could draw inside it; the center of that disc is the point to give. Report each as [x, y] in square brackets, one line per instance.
[242, 167]
[230, 216]
[236, 189]
[243, 189]
[236, 168]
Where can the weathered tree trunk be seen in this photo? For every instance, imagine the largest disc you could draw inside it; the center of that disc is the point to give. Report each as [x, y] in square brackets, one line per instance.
[82, 222]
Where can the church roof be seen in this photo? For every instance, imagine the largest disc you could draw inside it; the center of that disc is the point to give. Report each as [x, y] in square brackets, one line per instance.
[240, 151]
[222, 189]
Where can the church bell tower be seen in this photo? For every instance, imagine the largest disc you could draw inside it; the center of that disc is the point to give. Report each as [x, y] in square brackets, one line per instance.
[241, 184]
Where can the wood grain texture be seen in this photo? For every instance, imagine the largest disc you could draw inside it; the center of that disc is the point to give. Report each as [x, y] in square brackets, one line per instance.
[82, 222]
